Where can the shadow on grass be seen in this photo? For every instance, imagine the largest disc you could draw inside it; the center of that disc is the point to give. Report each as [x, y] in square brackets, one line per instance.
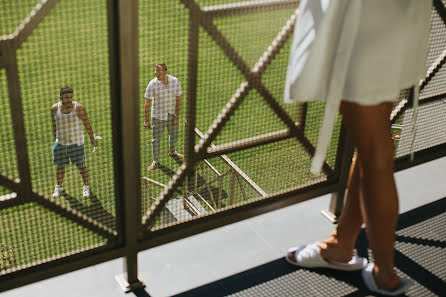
[166, 170]
[95, 210]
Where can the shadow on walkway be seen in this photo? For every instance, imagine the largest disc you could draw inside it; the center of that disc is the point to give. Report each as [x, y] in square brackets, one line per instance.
[420, 255]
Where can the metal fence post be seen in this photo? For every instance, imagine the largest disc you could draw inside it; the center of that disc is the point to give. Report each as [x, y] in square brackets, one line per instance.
[17, 116]
[127, 17]
[343, 163]
[191, 103]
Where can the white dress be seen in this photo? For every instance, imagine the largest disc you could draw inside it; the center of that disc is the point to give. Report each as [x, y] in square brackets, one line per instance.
[363, 51]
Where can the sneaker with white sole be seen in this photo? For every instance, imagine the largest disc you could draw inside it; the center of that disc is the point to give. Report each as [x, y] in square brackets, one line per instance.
[86, 191]
[176, 155]
[153, 166]
[58, 190]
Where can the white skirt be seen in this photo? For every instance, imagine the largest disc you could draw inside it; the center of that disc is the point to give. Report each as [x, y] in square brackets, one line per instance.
[363, 51]
[390, 50]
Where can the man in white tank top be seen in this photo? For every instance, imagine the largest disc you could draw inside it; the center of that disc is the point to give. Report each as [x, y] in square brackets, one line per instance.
[67, 117]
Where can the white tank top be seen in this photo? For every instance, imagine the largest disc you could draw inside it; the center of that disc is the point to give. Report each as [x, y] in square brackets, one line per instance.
[68, 127]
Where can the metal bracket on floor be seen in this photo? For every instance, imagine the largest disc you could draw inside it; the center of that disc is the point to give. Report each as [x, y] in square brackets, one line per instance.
[125, 286]
[334, 211]
[329, 216]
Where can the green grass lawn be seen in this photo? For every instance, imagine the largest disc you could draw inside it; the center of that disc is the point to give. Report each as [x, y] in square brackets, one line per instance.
[70, 47]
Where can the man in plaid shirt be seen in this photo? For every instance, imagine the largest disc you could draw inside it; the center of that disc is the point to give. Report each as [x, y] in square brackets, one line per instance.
[163, 94]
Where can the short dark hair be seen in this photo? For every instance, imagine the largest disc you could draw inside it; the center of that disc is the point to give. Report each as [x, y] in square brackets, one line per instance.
[163, 66]
[65, 90]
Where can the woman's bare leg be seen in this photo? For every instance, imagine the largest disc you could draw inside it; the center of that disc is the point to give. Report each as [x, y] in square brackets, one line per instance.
[340, 244]
[371, 196]
[369, 127]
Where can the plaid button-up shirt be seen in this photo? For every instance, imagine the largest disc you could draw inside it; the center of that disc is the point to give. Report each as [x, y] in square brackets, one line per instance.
[163, 98]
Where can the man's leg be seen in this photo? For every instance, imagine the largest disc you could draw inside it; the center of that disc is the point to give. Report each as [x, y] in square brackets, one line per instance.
[84, 173]
[60, 159]
[86, 188]
[173, 135]
[158, 127]
[77, 156]
[60, 174]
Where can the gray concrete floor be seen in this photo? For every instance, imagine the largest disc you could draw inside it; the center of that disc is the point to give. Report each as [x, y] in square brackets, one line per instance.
[198, 260]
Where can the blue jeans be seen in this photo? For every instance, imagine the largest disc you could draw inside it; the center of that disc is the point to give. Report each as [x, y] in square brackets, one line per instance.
[158, 127]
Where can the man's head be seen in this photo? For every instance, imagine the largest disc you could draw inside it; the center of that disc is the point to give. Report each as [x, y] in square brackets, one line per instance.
[161, 71]
[66, 96]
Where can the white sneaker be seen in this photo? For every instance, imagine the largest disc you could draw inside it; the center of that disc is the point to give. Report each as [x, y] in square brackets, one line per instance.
[86, 191]
[58, 191]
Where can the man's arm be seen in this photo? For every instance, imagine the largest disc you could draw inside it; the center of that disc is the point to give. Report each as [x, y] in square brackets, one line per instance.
[53, 120]
[177, 109]
[177, 105]
[176, 119]
[178, 93]
[147, 105]
[82, 114]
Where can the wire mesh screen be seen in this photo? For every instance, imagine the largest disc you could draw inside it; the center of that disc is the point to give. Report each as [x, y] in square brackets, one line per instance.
[32, 234]
[8, 164]
[13, 13]
[71, 207]
[163, 31]
[430, 131]
[437, 51]
[234, 39]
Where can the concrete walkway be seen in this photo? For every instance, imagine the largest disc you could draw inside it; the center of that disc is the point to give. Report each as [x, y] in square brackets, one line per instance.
[245, 258]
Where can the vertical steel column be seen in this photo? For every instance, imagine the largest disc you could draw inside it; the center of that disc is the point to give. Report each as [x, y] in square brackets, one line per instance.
[18, 121]
[191, 102]
[115, 101]
[192, 69]
[128, 64]
[342, 170]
